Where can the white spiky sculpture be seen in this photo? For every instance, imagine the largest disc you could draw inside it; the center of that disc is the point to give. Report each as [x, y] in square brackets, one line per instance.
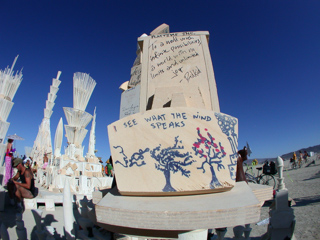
[77, 118]
[92, 138]
[9, 84]
[58, 139]
[43, 142]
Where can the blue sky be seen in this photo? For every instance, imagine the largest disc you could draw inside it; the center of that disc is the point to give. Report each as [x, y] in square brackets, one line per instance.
[265, 55]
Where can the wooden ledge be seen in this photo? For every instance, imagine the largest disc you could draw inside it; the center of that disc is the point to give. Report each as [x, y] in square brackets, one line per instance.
[236, 207]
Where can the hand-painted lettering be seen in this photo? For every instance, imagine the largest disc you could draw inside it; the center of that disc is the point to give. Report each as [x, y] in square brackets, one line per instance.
[179, 115]
[130, 123]
[205, 118]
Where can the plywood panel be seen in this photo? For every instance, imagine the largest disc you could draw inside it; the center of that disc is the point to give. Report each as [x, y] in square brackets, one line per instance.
[178, 60]
[130, 102]
[174, 151]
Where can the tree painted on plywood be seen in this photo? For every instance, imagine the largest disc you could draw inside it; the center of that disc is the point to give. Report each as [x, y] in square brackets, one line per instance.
[171, 159]
[228, 125]
[211, 153]
[136, 158]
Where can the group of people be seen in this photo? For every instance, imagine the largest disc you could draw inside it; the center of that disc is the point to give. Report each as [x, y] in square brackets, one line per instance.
[298, 162]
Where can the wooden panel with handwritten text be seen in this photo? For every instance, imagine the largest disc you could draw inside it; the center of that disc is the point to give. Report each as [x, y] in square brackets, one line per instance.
[177, 60]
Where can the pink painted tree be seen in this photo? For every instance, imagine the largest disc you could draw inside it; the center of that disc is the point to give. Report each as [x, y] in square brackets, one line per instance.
[211, 153]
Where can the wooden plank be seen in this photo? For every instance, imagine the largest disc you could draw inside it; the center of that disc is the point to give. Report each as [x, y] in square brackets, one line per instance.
[210, 74]
[144, 44]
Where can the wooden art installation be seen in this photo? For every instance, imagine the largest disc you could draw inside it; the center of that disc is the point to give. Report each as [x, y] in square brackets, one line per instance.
[171, 138]
[58, 139]
[83, 172]
[42, 144]
[9, 84]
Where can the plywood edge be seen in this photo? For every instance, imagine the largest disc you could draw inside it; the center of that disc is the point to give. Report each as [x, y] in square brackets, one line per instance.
[180, 193]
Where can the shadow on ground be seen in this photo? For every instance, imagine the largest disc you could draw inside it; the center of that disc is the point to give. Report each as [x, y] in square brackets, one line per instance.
[303, 201]
[317, 175]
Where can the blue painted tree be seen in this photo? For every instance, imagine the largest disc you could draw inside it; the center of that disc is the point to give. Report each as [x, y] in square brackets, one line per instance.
[211, 153]
[227, 125]
[136, 158]
[167, 162]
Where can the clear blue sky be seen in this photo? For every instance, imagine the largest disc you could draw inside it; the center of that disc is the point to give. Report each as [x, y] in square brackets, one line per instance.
[265, 54]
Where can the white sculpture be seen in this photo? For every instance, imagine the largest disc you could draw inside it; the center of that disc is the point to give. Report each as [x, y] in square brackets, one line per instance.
[92, 138]
[282, 219]
[43, 143]
[67, 211]
[83, 88]
[58, 139]
[77, 118]
[84, 173]
[279, 164]
[9, 84]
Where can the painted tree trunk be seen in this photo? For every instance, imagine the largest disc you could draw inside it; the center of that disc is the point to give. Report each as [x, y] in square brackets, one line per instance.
[214, 181]
[168, 187]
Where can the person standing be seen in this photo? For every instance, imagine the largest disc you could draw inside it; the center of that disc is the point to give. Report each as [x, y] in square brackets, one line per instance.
[305, 156]
[45, 161]
[8, 161]
[242, 156]
[109, 168]
[294, 159]
[300, 159]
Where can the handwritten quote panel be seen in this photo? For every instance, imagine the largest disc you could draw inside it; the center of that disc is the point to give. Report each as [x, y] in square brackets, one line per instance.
[130, 103]
[174, 150]
[178, 61]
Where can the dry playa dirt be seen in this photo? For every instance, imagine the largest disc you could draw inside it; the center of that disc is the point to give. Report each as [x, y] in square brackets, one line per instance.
[303, 187]
[302, 183]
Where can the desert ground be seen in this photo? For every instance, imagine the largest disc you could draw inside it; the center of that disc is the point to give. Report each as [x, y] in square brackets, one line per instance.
[302, 183]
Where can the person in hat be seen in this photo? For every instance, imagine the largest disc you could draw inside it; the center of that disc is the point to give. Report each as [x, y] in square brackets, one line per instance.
[25, 187]
[27, 162]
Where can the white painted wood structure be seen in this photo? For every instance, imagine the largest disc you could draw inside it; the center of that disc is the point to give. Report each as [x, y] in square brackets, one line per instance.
[83, 172]
[58, 139]
[42, 144]
[92, 137]
[9, 84]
